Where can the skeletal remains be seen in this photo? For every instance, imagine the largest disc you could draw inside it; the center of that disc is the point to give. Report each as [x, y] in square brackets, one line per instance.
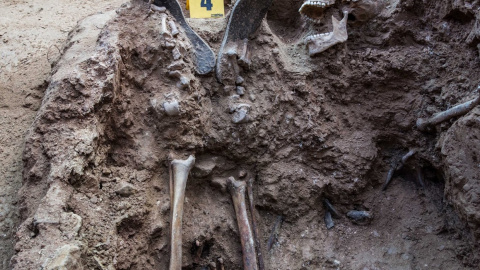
[179, 170]
[234, 56]
[459, 110]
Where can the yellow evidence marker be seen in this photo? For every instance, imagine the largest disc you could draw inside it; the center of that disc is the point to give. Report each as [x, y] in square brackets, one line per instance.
[206, 8]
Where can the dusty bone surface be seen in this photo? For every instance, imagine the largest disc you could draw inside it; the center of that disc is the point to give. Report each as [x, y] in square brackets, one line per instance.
[324, 127]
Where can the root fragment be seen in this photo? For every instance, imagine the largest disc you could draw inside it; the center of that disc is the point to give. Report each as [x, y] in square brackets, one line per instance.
[459, 110]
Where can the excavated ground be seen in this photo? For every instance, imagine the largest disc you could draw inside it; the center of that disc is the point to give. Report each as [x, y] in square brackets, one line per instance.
[95, 185]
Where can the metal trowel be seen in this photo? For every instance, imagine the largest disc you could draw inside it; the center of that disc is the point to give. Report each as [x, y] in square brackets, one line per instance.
[245, 18]
[204, 58]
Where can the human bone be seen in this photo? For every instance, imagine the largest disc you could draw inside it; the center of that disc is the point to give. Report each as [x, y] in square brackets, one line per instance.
[180, 170]
[321, 42]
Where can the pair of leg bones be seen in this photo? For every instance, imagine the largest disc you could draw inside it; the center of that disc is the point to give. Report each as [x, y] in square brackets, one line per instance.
[248, 234]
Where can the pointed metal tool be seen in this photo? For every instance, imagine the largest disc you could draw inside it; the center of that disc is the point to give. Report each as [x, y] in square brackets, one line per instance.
[204, 58]
[245, 18]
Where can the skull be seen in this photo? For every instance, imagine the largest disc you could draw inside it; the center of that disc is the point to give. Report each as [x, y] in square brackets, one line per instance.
[310, 26]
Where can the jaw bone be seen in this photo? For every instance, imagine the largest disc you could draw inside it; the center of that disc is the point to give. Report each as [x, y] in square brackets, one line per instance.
[180, 169]
[312, 10]
[321, 42]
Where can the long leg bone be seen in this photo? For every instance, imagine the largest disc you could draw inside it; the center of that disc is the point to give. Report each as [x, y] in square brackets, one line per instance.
[459, 110]
[261, 265]
[237, 189]
[180, 169]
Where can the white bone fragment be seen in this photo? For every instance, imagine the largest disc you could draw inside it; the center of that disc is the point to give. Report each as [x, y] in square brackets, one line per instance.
[171, 108]
[174, 28]
[157, 8]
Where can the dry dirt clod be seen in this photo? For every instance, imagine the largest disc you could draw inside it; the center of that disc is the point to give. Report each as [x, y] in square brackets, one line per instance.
[125, 189]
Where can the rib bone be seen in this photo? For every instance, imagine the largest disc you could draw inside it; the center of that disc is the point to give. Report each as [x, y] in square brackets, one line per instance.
[237, 189]
[180, 169]
[459, 110]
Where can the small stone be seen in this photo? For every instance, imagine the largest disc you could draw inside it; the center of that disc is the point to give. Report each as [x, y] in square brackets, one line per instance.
[184, 82]
[203, 168]
[242, 174]
[176, 65]
[176, 54]
[239, 80]
[66, 257]
[125, 189]
[240, 90]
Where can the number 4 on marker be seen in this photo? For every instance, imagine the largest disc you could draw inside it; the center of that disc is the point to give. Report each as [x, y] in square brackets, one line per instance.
[206, 4]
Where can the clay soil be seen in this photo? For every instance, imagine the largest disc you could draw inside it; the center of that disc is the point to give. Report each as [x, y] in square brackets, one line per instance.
[86, 142]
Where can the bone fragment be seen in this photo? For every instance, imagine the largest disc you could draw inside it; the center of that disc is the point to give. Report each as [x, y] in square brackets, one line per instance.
[180, 170]
[275, 231]
[220, 265]
[420, 176]
[174, 28]
[237, 190]
[329, 207]
[360, 217]
[171, 108]
[157, 8]
[459, 110]
[397, 166]
[164, 30]
[244, 57]
[328, 220]
[240, 90]
[320, 43]
[261, 265]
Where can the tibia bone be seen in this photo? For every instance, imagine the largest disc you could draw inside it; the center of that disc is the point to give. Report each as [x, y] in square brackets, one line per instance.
[321, 42]
[180, 169]
[459, 110]
[237, 189]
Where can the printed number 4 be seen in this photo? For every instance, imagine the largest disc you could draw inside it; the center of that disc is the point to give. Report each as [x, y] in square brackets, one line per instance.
[206, 4]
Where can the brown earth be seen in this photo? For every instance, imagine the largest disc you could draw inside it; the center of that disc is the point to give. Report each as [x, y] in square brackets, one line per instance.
[95, 182]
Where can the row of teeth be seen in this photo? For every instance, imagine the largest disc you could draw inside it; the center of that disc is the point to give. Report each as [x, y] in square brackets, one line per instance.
[312, 37]
[305, 17]
[314, 3]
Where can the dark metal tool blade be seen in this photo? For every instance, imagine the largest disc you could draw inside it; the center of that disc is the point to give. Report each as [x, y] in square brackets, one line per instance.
[204, 58]
[245, 18]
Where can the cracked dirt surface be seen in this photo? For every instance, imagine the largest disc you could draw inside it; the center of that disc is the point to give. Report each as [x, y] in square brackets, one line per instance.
[95, 180]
